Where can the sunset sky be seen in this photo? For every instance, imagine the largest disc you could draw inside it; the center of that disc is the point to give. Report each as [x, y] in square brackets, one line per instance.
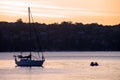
[105, 12]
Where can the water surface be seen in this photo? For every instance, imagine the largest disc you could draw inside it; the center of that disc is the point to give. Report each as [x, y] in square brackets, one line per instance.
[64, 66]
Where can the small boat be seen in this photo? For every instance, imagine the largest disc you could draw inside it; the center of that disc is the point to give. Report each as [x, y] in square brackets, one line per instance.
[28, 61]
[94, 64]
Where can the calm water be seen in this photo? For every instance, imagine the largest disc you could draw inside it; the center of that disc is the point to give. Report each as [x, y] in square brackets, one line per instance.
[64, 66]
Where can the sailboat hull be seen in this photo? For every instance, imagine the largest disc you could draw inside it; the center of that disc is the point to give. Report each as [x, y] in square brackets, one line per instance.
[30, 63]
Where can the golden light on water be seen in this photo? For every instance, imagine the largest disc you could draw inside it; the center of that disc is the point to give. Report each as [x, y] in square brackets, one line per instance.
[50, 11]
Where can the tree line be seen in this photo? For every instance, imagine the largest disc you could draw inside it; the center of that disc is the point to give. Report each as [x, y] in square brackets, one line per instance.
[66, 36]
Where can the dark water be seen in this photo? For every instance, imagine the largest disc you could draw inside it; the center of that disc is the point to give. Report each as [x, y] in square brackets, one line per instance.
[64, 66]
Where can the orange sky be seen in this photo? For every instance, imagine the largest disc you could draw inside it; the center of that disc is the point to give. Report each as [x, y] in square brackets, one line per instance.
[105, 12]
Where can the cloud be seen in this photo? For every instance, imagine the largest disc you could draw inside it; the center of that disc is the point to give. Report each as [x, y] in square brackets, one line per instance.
[47, 10]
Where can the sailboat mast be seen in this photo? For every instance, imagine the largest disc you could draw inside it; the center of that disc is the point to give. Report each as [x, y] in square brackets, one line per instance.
[29, 26]
[29, 15]
[43, 58]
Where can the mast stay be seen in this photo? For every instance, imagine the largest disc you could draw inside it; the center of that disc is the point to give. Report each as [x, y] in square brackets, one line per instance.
[36, 34]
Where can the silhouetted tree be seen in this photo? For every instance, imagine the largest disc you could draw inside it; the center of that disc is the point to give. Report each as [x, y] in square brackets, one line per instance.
[19, 20]
[62, 37]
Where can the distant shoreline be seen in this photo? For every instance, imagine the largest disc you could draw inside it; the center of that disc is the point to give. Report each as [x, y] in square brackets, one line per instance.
[59, 51]
[58, 37]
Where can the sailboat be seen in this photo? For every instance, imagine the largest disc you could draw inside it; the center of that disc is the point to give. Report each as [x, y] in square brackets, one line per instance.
[28, 61]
